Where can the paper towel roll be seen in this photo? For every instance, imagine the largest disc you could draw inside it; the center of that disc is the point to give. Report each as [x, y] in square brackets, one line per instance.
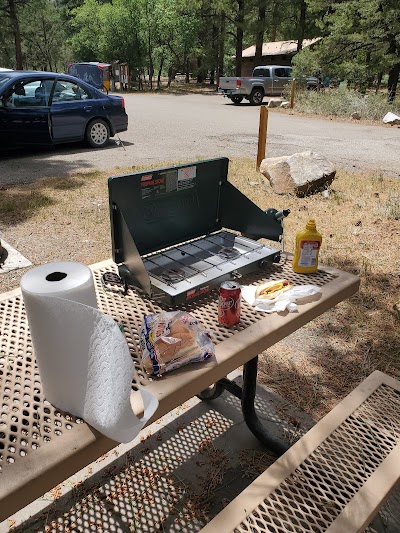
[84, 361]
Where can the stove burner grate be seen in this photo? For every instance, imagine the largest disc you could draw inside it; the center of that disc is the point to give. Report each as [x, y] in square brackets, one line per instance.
[229, 253]
[173, 275]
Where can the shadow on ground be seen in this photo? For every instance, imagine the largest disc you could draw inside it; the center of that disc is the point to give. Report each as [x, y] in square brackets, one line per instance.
[315, 367]
[48, 162]
[19, 203]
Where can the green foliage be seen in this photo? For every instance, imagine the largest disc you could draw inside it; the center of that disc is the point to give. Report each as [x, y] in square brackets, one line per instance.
[306, 63]
[43, 36]
[87, 31]
[7, 50]
[361, 39]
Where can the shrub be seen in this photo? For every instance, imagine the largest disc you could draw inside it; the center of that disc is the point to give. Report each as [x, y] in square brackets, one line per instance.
[343, 102]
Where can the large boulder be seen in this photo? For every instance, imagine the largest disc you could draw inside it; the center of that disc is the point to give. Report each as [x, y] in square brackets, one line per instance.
[274, 102]
[299, 174]
[392, 119]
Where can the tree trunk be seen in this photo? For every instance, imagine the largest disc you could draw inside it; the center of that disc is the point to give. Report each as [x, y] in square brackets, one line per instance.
[169, 76]
[160, 72]
[212, 77]
[302, 24]
[187, 73]
[151, 68]
[393, 80]
[378, 82]
[221, 48]
[239, 37]
[260, 31]
[275, 13]
[12, 9]
[200, 76]
[215, 43]
[140, 81]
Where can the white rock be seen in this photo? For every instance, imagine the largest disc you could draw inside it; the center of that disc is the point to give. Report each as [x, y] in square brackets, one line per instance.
[300, 174]
[274, 102]
[392, 119]
[285, 105]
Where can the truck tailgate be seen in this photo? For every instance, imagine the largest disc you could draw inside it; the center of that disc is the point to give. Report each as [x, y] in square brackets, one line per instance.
[227, 83]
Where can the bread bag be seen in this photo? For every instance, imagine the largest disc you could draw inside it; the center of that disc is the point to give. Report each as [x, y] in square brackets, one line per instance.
[173, 339]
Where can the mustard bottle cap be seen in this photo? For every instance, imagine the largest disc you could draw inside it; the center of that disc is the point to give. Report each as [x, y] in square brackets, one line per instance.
[311, 224]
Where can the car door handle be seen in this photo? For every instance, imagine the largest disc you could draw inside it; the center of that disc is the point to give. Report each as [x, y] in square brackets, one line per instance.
[87, 108]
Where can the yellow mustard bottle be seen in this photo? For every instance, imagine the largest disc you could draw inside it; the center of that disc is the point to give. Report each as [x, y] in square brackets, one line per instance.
[308, 243]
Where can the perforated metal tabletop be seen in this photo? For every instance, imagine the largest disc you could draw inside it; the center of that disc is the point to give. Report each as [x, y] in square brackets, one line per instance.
[41, 446]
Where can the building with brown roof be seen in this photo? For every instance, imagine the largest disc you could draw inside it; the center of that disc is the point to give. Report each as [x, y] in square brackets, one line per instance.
[275, 53]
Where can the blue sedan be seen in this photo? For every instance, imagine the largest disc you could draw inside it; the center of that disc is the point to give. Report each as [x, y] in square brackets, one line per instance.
[39, 108]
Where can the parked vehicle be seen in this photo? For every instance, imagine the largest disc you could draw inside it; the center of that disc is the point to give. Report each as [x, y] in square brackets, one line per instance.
[266, 80]
[40, 108]
[94, 73]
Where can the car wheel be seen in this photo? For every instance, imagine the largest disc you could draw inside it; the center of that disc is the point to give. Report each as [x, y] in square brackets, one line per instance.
[256, 96]
[97, 133]
[236, 99]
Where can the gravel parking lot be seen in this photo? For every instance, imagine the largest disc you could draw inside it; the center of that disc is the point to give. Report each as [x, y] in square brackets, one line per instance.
[166, 127]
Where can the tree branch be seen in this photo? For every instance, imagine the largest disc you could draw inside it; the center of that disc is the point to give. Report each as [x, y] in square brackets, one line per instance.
[347, 47]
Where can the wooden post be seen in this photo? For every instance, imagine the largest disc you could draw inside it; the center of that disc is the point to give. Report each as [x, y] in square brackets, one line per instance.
[292, 93]
[262, 135]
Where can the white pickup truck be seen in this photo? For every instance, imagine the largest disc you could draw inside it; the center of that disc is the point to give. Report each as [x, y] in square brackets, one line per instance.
[266, 80]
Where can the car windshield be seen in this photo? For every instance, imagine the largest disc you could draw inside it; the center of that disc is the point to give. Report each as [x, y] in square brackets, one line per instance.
[3, 79]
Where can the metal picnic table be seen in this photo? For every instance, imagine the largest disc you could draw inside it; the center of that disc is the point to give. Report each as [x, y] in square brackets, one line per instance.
[41, 446]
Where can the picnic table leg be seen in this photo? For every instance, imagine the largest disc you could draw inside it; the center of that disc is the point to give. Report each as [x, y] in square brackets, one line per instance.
[249, 412]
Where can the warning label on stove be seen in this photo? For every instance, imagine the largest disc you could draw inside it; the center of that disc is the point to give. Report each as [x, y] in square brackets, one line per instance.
[186, 178]
[171, 179]
[161, 183]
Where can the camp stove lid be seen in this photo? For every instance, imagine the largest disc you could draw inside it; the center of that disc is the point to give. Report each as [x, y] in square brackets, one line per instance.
[163, 207]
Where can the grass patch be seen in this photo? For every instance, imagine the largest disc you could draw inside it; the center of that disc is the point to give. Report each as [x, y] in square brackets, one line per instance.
[68, 220]
[18, 205]
[342, 102]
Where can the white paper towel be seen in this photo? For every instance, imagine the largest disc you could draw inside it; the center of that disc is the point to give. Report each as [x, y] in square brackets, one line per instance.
[83, 358]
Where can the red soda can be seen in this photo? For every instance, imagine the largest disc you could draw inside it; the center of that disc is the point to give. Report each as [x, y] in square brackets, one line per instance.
[229, 303]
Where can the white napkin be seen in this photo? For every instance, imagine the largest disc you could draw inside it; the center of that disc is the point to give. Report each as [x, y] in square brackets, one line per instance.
[284, 301]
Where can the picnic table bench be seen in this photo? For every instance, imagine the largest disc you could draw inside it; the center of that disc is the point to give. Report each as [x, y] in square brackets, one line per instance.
[41, 446]
[335, 478]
